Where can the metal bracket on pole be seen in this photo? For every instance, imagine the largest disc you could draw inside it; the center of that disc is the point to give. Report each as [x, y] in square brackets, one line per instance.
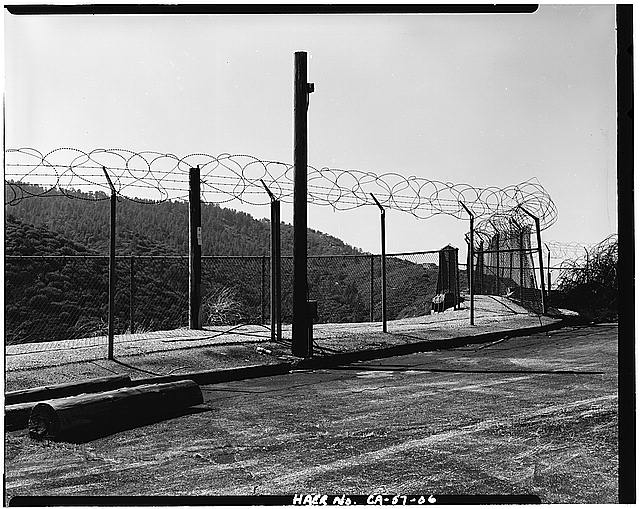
[542, 289]
[383, 263]
[470, 268]
[112, 267]
[310, 89]
[275, 279]
[271, 195]
[113, 189]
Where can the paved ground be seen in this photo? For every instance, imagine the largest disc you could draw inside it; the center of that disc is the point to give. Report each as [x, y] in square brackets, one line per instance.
[179, 351]
[530, 415]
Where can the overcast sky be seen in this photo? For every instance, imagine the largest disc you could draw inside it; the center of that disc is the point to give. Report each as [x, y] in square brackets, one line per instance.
[489, 100]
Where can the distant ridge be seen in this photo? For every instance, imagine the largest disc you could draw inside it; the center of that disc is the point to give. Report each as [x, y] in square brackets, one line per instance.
[159, 228]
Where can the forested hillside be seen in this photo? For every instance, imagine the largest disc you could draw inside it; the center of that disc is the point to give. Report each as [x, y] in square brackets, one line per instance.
[57, 288]
[51, 298]
[159, 228]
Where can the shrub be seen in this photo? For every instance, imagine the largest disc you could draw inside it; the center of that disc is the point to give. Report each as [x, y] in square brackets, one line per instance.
[222, 307]
[590, 286]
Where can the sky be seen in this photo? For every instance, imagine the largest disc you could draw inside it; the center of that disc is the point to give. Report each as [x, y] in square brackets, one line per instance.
[488, 100]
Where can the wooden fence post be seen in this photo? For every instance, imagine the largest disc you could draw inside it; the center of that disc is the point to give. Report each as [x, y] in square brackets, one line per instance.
[195, 249]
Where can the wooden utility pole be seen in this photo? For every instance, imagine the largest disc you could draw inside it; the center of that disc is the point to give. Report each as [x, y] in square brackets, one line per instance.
[195, 249]
[301, 344]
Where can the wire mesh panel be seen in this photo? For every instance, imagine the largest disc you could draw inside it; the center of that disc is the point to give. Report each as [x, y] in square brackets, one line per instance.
[504, 265]
[411, 284]
[341, 284]
[235, 290]
[160, 293]
[286, 298]
[55, 298]
[342, 287]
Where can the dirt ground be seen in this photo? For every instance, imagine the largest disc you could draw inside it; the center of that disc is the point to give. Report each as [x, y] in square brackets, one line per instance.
[529, 415]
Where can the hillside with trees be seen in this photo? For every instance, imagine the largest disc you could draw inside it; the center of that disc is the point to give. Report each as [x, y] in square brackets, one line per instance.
[56, 271]
[143, 227]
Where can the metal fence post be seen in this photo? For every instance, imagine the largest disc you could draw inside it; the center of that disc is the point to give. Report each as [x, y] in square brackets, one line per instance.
[262, 271]
[548, 270]
[112, 268]
[542, 285]
[539, 241]
[132, 289]
[522, 266]
[510, 259]
[277, 264]
[470, 268]
[497, 264]
[371, 291]
[383, 262]
[481, 263]
[275, 279]
[457, 283]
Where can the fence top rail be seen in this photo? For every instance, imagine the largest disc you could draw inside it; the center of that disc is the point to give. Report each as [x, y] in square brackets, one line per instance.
[514, 250]
[106, 257]
[206, 257]
[126, 257]
[413, 253]
[361, 255]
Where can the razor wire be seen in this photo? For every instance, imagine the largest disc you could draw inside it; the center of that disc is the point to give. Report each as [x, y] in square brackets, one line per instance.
[568, 251]
[151, 177]
[592, 254]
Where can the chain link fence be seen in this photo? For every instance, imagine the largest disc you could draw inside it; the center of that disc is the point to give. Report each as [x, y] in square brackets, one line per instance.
[505, 266]
[54, 298]
[412, 280]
